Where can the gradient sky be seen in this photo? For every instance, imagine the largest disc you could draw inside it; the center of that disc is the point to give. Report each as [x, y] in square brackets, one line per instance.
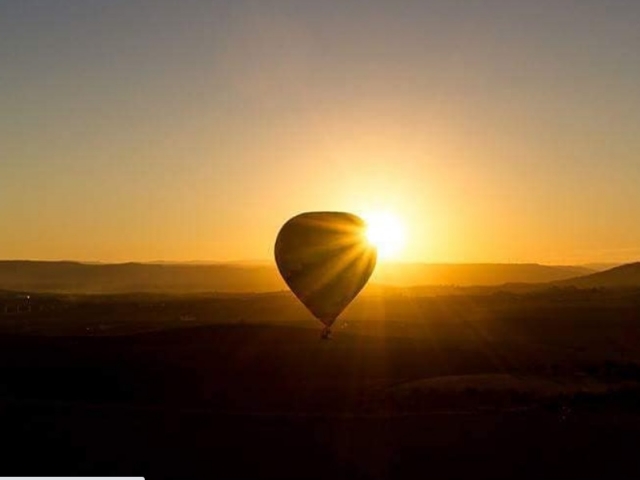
[499, 131]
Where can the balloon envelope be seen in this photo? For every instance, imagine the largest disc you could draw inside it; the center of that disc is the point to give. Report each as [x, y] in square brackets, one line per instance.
[325, 260]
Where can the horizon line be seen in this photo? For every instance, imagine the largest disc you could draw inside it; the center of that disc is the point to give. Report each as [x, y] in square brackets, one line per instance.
[257, 262]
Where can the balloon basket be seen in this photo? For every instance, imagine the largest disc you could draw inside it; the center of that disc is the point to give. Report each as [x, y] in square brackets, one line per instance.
[326, 334]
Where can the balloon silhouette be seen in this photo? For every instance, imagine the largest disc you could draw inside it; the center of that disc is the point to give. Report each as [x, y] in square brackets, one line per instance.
[325, 260]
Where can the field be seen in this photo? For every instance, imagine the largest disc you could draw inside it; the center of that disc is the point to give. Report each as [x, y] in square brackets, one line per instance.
[531, 385]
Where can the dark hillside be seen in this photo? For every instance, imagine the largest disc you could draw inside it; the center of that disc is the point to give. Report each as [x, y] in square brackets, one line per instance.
[624, 276]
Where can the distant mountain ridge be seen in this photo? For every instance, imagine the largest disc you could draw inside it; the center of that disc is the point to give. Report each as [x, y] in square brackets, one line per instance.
[76, 277]
[473, 274]
[623, 276]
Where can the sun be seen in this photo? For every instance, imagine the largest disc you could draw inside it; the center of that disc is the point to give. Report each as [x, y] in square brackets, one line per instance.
[386, 232]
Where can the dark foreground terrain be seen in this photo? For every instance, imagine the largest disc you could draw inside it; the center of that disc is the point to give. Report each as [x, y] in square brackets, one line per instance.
[535, 385]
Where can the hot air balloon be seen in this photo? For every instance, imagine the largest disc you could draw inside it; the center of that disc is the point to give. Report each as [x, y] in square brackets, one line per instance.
[325, 260]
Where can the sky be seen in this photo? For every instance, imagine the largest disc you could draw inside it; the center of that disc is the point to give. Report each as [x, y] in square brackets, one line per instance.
[497, 131]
